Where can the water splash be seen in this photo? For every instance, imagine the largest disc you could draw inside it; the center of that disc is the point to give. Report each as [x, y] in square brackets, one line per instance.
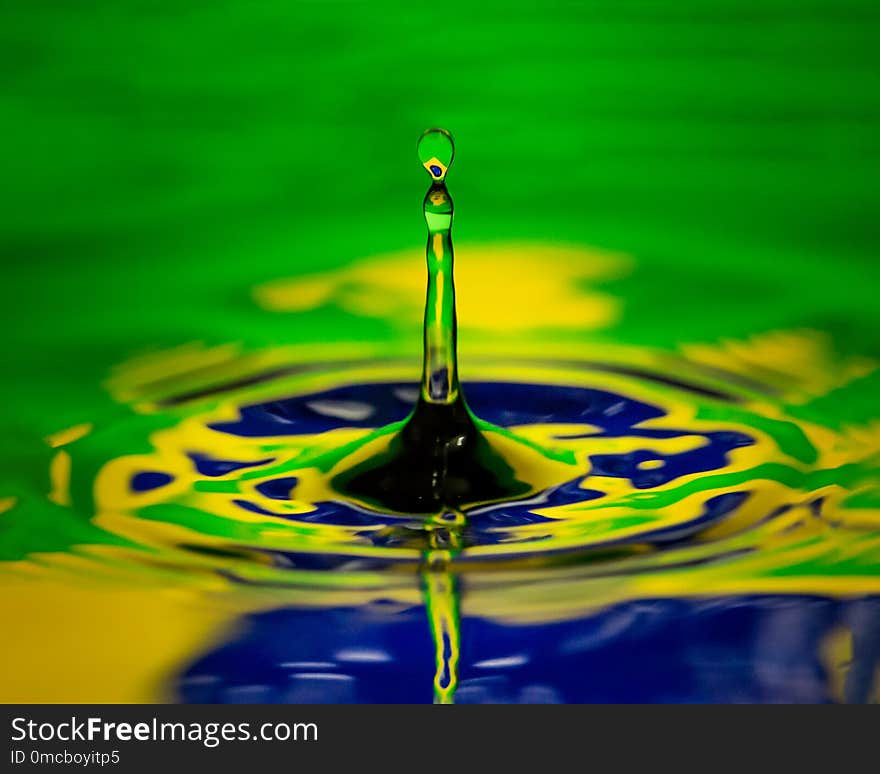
[440, 364]
[441, 460]
[598, 502]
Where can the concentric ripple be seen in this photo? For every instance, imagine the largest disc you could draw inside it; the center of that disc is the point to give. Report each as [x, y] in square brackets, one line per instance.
[631, 470]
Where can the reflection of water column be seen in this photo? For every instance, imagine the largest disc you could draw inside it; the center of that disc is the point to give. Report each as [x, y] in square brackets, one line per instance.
[441, 600]
[440, 369]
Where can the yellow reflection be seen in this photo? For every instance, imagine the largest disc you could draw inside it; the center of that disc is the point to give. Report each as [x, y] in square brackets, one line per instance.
[502, 288]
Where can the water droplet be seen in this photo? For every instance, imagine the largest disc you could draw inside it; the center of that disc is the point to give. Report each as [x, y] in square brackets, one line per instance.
[436, 151]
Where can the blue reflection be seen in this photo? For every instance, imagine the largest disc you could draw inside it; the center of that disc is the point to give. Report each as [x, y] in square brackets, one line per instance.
[766, 648]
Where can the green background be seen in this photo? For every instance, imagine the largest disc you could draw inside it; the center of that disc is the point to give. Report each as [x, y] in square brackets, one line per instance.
[161, 158]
